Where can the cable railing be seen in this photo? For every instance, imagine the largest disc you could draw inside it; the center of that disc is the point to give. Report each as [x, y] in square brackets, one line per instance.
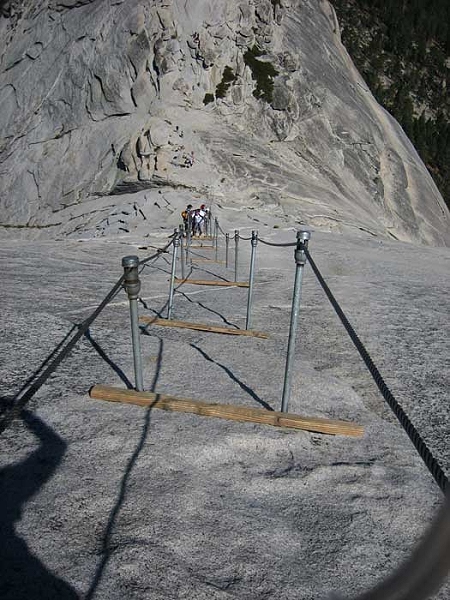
[64, 348]
[429, 564]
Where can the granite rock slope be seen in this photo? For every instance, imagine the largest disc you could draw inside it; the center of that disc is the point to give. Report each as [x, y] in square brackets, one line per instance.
[252, 104]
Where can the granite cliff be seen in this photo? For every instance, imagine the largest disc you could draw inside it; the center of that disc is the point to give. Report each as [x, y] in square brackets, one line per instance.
[112, 106]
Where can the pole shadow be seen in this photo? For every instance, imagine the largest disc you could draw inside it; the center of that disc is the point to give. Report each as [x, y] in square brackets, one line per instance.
[107, 547]
[233, 377]
[23, 575]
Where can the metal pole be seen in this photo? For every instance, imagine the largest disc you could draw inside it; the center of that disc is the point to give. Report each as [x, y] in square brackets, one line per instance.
[132, 286]
[189, 229]
[236, 253]
[176, 243]
[300, 260]
[188, 237]
[216, 240]
[254, 242]
[227, 245]
[183, 273]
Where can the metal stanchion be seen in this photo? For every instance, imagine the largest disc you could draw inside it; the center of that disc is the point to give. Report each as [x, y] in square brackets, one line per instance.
[216, 241]
[300, 260]
[189, 229]
[181, 230]
[188, 238]
[236, 254]
[132, 286]
[176, 243]
[254, 242]
[227, 246]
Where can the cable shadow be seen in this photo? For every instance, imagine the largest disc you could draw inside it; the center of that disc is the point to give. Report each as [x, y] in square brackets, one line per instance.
[196, 254]
[159, 313]
[167, 271]
[23, 575]
[108, 360]
[9, 406]
[215, 312]
[45, 362]
[232, 376]
[107, 548]
[196, 268]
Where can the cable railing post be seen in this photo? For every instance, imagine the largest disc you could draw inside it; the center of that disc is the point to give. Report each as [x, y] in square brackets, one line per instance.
[176, 243]
[188, 238]
[236, 254]
[216, 240]
[300, 260]
[189, 229]
[132, 286]
[180, 232]
[254, 243]
[227, 246]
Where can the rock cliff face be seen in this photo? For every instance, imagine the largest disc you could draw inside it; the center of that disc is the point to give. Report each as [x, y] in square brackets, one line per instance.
[251, 103]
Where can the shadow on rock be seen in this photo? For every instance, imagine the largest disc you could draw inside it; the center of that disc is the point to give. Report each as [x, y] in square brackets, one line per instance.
[108, 360]
[233, 377]
[23, 575]
[107, 546]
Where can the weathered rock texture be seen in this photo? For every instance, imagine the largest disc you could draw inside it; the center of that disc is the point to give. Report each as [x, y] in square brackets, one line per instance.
[255, 103]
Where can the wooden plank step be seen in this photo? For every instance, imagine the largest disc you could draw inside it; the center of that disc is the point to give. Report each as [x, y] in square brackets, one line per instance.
[202, 327]
[217, 282]
[226, 411]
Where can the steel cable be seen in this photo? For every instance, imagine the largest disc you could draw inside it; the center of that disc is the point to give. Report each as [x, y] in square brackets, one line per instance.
[220, 229]
[285, 245]
[424, 452]
[35, 382]
[160, 250]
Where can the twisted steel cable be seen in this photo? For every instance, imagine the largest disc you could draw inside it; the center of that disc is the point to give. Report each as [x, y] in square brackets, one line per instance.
[419, 444]
[285, 245]
[160, 250]
[220, 229]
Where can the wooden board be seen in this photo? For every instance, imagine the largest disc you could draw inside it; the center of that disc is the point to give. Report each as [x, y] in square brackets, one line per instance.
[203, 247]
[202, 327]
[226, 411]
[218, 282]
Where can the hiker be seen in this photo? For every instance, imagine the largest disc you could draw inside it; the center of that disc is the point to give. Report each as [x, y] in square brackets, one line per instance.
[205, 212]
[187, 218]
[197, 220]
